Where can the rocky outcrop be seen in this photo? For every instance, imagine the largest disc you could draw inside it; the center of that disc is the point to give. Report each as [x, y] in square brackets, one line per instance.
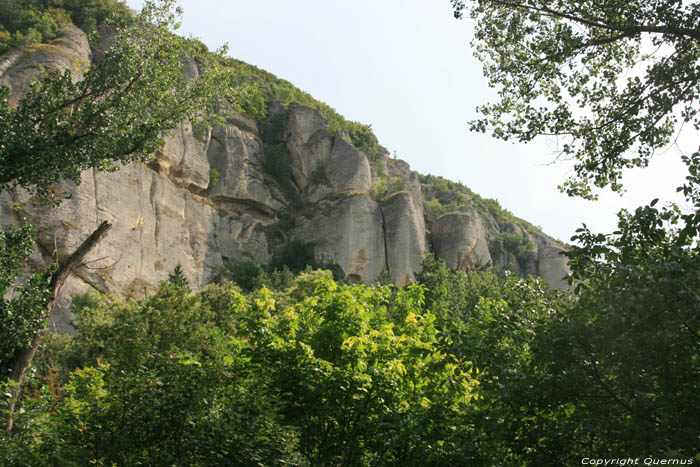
[70, 51]
[404, 232]
[235, 154]
[347, 168]
[208, 202]
[461, 240]
[183, 159]
[309, 143]
[552, 266]
[349, 232]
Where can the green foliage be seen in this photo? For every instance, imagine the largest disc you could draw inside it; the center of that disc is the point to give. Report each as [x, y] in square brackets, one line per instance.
[245, 274]
[335, 269]
[272, 87]
[639, 316]
[463, 369]
[24, 314]
[381, 168]
[363, 388]
[115, 113]
[276, 162]
[363, 138]
[186, 392]
[339, 376]
[384, 277]
[28, 22]
[214, 177]
[273, 128]
[507, 325]
[585, 75]
[319, 176]
[383, 188]
[442, 196]
[616, 368]
[514, 243]
[287, 220]
[296, 256]
[178, 278]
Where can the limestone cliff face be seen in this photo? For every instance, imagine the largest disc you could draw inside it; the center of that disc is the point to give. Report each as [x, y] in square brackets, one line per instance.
[208, 202]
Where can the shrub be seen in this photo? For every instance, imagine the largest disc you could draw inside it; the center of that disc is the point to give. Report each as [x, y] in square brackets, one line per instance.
[214, 177]
[178, 278]
[27, 22]
[514, 243]
[384, 188]
[363, 138]
[245, 274]
[276, 164]
[296, 255]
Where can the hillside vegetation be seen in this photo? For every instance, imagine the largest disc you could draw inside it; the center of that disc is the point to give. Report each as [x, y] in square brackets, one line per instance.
[24, 23]
[289, 365]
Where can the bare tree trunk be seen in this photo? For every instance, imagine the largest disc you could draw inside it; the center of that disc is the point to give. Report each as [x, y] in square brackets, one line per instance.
[23, 359]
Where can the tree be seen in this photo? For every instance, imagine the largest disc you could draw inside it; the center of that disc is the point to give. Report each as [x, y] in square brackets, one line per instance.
[25, 316]
[187, 392]
[318, 374]
[610, 79]
[114, 113]
[362, 376]
[178, 278]
[117, 111]
[502, 324]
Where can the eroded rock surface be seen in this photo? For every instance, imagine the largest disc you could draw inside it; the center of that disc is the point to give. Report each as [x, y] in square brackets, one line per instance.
[349, 232]
[461, 240]
[207, 202]
[405, 236]
[18, 68]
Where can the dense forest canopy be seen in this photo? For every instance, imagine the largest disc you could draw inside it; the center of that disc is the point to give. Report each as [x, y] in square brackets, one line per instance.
[289, 366]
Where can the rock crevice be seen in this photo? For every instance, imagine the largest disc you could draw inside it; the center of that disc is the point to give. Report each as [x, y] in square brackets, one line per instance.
[207, 203]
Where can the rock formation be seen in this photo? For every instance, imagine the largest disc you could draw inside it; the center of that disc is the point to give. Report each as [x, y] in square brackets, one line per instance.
[208, 202]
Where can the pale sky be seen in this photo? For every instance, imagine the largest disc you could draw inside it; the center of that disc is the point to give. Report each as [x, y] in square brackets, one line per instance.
[406, 68]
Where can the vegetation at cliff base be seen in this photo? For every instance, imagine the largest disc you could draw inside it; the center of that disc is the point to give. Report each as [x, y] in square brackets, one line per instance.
[457, 369]
[319, 374]
[295, 257]
[512, 243]
[289, 365]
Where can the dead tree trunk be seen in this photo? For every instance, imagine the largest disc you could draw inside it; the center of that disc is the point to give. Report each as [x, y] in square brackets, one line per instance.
[23, 359]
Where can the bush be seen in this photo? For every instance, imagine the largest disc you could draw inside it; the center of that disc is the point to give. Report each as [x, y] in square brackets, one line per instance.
[276, 162]
[27, 22]
[214, 177]
[514, 243]
[245, 274]
[384, 188]
[296, 255]
[363, 138]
